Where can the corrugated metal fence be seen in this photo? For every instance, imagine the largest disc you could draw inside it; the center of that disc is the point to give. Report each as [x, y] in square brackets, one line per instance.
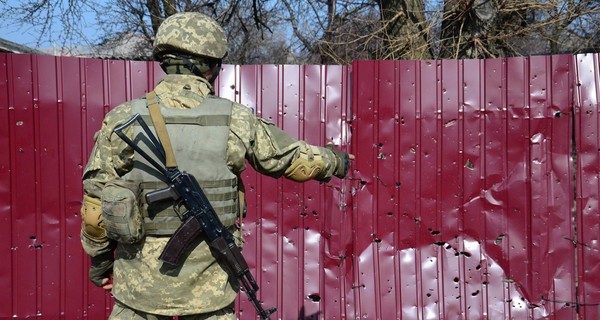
[474, 194]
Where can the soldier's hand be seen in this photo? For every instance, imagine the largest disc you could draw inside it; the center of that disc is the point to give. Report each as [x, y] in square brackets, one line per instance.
[101, 269]
[107, 284]
[343, 161]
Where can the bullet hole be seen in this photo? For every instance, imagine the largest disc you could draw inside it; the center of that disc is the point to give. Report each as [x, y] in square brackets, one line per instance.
[478, 267]
[475, 293]
[434, 232]
[303, 214]
[389, 214]
[499, 238]
[466, 254]
[439, 243]
[428, 295]
[314, 213]
[456, 279]
[397, 184]
[32, 237]
[450, 123]
[377, 240]
[314, 297]
[469, 165]
[557, 114]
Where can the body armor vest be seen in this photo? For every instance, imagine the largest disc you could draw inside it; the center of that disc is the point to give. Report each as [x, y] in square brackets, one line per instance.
[199, 139]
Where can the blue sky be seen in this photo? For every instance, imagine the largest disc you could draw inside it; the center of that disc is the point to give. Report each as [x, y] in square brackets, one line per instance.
[28, 34]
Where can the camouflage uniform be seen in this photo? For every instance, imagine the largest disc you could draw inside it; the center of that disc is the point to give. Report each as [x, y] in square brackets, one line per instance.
[199, 286]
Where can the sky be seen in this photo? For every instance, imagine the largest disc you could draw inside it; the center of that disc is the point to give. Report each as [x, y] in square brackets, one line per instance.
[28, 34]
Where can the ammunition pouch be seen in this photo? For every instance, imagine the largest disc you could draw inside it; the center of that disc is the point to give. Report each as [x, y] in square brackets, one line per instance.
[120, 208]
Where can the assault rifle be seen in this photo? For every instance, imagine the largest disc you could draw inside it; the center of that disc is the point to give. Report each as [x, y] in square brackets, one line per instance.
[200, 217]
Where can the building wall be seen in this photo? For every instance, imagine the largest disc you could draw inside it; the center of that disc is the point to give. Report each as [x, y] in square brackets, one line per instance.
[464, 201]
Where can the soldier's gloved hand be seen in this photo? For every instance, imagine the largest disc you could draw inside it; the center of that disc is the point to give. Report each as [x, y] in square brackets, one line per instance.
[343, 162]
[102, 266]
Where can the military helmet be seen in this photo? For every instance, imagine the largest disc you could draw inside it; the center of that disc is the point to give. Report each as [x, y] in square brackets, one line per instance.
[190, 33]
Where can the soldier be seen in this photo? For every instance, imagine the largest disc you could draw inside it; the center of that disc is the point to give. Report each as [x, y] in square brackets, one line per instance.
[212, 138]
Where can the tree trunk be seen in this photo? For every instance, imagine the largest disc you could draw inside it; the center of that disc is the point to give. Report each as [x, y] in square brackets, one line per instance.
[405, 32]
[480, 28]
[159, 10]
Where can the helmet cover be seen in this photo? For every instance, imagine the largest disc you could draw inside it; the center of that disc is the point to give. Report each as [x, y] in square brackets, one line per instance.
[191, 33]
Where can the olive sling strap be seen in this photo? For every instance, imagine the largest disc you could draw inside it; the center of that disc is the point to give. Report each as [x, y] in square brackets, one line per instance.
[161, 129]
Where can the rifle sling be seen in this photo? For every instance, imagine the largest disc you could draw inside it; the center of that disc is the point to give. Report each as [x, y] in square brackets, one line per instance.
[161, 129]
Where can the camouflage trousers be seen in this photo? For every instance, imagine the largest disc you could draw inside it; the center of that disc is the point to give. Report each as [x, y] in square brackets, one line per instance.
[123, 312]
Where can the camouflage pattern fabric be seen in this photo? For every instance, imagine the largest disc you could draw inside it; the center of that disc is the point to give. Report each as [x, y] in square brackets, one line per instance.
[123, 312]
[200, 285]
[193, 33]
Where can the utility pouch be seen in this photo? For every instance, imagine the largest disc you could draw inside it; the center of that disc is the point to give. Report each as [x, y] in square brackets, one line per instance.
[123, 219]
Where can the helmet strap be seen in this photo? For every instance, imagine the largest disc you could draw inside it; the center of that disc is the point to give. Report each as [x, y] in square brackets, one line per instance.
[192, 67]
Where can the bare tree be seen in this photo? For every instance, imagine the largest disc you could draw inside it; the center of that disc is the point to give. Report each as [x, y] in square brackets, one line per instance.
[249, 25]
[418, 29]
[405, 29]
[130, 25]
[54, 22]
[331, 31]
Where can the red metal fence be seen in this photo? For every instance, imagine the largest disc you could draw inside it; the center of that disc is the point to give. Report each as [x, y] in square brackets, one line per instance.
[474, 193]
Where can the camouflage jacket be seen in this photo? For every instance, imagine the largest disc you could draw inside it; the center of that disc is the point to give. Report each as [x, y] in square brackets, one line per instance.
[200, 285]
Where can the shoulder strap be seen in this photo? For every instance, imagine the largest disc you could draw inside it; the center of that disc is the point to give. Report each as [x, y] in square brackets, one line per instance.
[161, 129]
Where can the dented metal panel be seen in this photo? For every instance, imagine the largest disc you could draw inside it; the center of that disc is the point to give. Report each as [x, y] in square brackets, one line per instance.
[463, 201]
[292, 230]
[588, 168]
[50, 109]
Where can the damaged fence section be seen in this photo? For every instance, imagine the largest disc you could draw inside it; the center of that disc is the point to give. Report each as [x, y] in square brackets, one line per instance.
[474, 193]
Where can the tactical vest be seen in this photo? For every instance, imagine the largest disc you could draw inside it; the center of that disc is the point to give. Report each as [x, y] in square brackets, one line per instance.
[199, 139]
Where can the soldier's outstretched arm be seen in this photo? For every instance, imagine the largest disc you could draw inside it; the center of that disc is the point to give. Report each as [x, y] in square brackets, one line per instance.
[273, 152]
